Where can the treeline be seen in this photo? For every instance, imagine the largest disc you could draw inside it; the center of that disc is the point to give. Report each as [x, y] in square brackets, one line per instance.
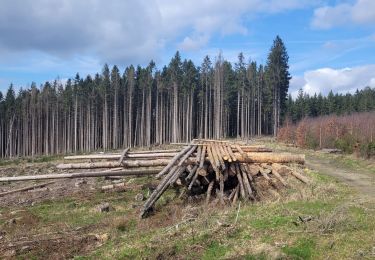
[318, 105]
[351, 133]
[144, 106]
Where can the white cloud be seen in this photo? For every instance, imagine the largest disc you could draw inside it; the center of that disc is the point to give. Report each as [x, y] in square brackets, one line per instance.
[338, 80]
[193, 43]
[131, 31]
[360, 12]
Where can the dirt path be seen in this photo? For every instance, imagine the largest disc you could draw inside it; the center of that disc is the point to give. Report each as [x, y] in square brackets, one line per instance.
[361, 181]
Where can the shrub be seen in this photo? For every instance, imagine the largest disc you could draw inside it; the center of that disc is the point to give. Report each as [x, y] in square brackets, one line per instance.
[346, 143]
[368, 150]
[342, 132]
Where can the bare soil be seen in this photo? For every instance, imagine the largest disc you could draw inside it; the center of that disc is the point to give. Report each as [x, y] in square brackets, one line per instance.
[361, 180]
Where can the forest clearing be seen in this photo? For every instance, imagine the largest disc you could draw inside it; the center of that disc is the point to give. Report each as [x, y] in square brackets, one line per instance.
[195, 129]
[89, 218]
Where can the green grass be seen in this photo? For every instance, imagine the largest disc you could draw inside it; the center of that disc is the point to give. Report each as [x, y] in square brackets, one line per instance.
[214, 251]
[37, 159]
[262, 231]
[302, 249]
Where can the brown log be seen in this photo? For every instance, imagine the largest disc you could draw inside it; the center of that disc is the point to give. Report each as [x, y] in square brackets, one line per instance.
[128, 172]
[123, 155]
[219, 155]
[265, 172]
[203, 156]
[149, 154]
[232, 156]
[173, 161]
[192, 172]
[35, 186]
[251, 158]
[247, 169]
[203, 171]
[278, 176]
[300, 177]
[215, 156]
[271, 158]
[285, 170]
[254, 169]
[242, 188]
[223, 152]
[256, 149]
[186, 155]
[213, 162]
[221, 185]
[199, 153]
[209, 190]
[247, 185]
[236, 195]
[193, 181]
[179, 171]
[113, 186]
[115, 164]
[155, 195]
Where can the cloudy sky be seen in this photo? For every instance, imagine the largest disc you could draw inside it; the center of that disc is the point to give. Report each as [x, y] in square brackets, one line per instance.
[331, 44]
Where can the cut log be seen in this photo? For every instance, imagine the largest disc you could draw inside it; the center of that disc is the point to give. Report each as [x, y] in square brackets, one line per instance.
[271, 158]
[250, 158]
[265, 172]
[118, 156]
[173, 161]
[115, 164]
[179, 171]
[209, 191]
[242, 188]
[213, 162]
[278, 176]
[187, 154]
[300, 177]
[129, 172]
[191, 173]
[217, 151]
[203, 171]
[231, 154]
[123, 155]
[247, 185]
[113, 186]
[256, 149]
[35, 186]
[235, 197]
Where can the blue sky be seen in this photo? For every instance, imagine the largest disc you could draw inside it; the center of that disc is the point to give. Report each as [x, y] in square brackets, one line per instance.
[331, 44]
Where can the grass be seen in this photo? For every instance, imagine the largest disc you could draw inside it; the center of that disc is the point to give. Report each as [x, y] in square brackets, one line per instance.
[340, 227]
[302, 249]
[37, 159]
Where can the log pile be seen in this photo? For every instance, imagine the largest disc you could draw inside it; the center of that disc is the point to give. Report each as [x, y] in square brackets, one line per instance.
[223, 170]
[218, 170]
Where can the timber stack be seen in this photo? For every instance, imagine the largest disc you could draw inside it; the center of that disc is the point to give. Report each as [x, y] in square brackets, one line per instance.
[223, 170]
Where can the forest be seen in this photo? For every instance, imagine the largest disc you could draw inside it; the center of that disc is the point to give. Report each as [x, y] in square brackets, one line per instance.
[142, 106]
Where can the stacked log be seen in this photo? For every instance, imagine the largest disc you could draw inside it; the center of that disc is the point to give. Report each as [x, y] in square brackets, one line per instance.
[220, 170]
[225, 171]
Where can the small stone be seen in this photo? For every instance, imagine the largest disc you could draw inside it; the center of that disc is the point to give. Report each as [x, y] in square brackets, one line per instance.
[139, 197]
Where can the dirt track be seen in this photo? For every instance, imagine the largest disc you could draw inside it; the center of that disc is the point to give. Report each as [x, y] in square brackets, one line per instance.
[361, 181]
